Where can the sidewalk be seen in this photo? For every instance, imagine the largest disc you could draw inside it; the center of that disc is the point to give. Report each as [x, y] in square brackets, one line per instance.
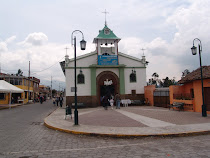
[9, 106]
[130, 122]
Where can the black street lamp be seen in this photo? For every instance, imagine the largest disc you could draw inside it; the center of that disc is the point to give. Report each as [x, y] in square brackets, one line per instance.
[83, 46]
[194, 52]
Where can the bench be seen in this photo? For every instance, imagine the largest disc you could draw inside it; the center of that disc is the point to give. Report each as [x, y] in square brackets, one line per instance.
[178, 105]
[136, 102]
[79, 105]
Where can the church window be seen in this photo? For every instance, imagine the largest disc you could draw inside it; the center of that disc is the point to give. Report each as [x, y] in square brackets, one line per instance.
[105, 54]
[81, 78]
[133, 76]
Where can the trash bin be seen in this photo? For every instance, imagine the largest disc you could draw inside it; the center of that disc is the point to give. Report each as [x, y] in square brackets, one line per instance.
[68, 111]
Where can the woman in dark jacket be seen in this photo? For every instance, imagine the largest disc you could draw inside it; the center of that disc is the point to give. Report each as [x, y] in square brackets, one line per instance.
[106, 102]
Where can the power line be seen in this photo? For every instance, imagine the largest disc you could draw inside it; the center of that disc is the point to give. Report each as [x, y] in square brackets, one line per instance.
[34, 72]
[48, 67]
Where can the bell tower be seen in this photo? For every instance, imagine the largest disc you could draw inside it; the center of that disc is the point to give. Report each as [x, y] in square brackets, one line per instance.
[107, 46]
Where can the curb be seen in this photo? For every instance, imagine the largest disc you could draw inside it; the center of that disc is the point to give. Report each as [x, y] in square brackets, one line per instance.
[183, 134]
[8, 107]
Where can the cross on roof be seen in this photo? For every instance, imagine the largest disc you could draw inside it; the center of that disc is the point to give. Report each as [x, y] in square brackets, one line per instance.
[105, 12]
[143, 50]
[66, 49]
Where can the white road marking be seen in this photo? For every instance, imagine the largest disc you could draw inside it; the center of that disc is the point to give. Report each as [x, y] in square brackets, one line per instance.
[146, 120]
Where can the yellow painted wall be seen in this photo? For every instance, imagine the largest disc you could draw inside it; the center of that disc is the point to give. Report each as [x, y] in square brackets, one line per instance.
[25, 88]
[6, 100]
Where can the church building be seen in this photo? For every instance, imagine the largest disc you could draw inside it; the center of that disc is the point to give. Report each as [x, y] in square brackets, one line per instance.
[105, 71]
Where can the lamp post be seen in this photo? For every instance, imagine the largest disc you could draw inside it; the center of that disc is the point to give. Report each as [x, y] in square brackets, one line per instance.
[82, 45]
[194, 52]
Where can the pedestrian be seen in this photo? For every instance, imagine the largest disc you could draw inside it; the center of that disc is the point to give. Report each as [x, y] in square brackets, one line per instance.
[105, 102]
[117, 99]
[41, 99]
[111, 101]
[61, 101]
[57, 100]
[102, 100]
[12, 101]
[53, 101]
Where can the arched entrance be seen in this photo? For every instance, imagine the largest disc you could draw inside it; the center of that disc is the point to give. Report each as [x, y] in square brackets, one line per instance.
[107, 83]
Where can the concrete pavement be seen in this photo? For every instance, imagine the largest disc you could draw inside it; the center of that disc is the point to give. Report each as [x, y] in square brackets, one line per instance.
[136, 121]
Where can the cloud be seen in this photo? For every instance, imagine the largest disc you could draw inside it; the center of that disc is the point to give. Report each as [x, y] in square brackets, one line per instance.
[35, 39]
[4, 44]
[170, 58]
[191, 22]
[131, 45]
[10, 39]
[158, 46]
[3, 47]
[44, 62]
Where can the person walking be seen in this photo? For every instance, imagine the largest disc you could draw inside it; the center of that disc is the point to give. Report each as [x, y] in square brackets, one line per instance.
[53, 100]
[61, 101]
[41, 99]
[111, 101]
[105, 102]
[102, 100]
[117, 99]
[57, 100]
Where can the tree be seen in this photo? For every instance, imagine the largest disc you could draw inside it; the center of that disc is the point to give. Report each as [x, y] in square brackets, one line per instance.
[161, 83]
[168, 82]
[54, 92]
[155, 75]
[185, 72]
[19, 73]
[154, 79]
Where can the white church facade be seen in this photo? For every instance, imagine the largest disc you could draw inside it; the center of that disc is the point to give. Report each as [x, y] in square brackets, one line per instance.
[105, 71]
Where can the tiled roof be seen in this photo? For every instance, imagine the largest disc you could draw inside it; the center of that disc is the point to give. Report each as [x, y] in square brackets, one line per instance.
[102, 35]
[196, 75]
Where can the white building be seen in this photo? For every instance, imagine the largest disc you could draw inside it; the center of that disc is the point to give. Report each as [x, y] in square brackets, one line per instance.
[105, 71]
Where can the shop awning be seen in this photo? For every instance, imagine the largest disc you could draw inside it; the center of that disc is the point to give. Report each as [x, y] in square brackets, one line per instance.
[6, 87]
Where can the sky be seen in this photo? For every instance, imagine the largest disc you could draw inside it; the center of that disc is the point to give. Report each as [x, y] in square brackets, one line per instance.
[39, 31]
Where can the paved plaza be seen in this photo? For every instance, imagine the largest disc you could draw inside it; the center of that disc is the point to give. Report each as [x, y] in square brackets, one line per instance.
[131, 121]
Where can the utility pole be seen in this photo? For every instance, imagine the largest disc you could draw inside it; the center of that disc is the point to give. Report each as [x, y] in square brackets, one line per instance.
[59, 89]
[51, 87]
[28, 81]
